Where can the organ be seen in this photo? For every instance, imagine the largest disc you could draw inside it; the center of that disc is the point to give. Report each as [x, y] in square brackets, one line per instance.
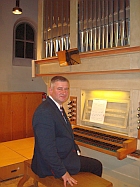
[111, 136]
[116, 68]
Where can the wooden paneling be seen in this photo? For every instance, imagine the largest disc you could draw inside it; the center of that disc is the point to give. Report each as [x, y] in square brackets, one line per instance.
[5, 118]
[32, 102]
[16, 112]
[18, 105]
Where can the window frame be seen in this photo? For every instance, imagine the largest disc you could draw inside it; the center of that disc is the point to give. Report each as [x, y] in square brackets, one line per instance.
[17, 61]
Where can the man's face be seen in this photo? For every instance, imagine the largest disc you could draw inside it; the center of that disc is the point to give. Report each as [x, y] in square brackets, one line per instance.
[59, 91]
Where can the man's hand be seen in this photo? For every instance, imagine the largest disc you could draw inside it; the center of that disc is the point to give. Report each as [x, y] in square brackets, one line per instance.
[68, 179]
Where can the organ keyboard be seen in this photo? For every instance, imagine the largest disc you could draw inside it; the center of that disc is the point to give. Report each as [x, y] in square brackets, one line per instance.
[107, 142]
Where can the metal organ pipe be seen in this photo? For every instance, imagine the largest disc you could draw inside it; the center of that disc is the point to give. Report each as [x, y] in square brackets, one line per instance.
[116, 25]
[94, 25]
[121, 22]
[98, 24]
[127, 20]
[81, 26]
[56, 26]
[67, 32]
[110, 24]
[86, 42]
[106, 23]
[50, 30]
[101, 24]
[90, 8]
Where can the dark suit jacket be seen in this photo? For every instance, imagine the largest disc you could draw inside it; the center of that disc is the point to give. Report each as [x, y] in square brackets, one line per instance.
[55, 151]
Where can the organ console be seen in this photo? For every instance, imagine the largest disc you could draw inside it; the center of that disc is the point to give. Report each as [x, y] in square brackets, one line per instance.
[110, 136]
[106, 142]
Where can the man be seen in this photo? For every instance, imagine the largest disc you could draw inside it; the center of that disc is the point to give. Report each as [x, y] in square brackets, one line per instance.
[55, 151]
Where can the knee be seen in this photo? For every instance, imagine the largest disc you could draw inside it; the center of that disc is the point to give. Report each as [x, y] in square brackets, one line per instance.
[100, 169]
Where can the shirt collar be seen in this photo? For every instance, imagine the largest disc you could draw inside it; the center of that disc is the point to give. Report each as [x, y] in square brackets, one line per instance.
[55, 102]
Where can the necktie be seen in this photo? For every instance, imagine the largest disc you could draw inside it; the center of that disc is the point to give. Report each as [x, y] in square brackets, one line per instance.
[62, 112]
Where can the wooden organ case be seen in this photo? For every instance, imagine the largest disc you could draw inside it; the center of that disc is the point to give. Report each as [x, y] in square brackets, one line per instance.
[112, 135]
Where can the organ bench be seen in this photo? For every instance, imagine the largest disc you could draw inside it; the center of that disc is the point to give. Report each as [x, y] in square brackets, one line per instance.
[84, 179]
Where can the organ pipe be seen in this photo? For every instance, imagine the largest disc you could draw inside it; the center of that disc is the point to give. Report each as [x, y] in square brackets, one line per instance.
[101, 24]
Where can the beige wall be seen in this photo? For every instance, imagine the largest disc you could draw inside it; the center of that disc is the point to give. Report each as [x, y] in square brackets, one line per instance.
[15, 78]
[135, 24]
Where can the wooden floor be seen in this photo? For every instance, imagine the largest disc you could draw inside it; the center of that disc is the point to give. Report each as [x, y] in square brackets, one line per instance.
[14, 182]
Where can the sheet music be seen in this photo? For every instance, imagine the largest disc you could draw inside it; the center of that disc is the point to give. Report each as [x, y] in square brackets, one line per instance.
[98, 111]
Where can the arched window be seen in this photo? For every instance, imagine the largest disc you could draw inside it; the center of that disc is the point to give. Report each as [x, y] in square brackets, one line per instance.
[24, 44]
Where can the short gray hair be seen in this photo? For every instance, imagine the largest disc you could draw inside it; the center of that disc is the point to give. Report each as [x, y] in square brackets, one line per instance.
[59, 78]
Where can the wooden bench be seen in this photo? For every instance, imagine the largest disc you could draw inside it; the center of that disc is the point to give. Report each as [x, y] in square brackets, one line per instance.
[84, 179]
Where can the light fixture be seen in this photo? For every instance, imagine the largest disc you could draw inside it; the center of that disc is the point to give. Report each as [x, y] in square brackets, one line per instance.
[17, 9]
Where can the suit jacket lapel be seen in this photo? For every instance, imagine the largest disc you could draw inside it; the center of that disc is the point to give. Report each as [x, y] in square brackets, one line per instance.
[67, 125]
